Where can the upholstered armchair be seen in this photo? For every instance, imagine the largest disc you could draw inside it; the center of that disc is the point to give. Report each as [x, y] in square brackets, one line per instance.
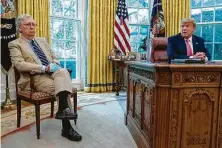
[157, 50]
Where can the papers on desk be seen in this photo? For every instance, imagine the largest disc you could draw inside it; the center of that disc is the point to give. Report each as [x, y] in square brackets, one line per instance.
[191, 60]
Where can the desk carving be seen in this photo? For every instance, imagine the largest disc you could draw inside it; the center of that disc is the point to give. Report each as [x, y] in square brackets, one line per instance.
[175, 106]
[204, 77]
[174, 118]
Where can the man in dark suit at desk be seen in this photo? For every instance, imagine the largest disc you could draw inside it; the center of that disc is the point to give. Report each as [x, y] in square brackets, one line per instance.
[186, 45]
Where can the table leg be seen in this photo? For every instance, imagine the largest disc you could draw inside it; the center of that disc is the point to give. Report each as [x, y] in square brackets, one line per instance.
[117, 78]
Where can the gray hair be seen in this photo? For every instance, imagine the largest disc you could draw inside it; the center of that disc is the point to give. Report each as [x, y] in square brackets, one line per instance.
[188, 20]
[20, 19]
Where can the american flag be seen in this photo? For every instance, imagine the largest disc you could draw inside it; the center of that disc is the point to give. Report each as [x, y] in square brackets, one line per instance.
[121, 28]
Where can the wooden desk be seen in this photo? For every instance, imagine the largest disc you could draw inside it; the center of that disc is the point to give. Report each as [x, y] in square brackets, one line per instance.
[175, 105]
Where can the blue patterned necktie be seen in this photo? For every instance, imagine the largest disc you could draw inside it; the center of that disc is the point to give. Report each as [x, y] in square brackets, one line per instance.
[41, 55]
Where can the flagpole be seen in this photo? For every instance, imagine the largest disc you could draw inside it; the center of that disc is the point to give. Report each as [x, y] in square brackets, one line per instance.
[8, 102]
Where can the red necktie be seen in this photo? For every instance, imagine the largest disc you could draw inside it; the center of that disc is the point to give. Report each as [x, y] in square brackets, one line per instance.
[189, 49]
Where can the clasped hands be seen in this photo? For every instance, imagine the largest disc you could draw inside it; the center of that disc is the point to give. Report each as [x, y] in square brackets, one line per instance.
[200, 55]
[52, 67]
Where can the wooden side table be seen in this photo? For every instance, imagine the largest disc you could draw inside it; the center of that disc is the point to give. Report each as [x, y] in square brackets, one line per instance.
[118, 71]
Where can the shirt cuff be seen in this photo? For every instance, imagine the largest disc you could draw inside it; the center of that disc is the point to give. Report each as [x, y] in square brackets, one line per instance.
[190, 57]
[43, 68]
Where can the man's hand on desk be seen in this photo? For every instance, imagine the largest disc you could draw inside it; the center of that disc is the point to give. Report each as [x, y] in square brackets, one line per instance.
[199, 55]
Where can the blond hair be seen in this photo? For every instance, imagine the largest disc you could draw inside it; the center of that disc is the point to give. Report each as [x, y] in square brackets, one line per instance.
[188, 20]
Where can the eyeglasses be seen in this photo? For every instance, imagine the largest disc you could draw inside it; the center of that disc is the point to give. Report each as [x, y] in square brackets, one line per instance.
[30, 24]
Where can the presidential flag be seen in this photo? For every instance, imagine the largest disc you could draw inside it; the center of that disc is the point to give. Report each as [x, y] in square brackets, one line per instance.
[157, 26]
[8, 33]
[121, 28]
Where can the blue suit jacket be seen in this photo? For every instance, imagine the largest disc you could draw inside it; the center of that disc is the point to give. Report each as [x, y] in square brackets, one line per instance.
[176, 48]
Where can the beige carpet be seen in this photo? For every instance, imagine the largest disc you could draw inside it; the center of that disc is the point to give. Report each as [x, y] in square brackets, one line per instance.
[101, 126]
[9, 119]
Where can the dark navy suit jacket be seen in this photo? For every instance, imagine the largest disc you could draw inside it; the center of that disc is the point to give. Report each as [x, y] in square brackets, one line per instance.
[176, 48]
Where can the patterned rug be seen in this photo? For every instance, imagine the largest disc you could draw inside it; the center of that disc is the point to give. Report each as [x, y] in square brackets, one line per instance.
[9, 118]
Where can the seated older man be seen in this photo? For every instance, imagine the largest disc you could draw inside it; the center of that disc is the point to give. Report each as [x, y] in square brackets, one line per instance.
[32, 54]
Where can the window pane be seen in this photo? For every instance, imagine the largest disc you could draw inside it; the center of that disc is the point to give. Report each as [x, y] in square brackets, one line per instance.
[218, 52]
[196, 14]
[207, 15]
[134, 30]
[133, 39]
[56, 7]
[71, 47]
[144, 30]
[133, 46]
[70, 25]
[69, 8]
[196, 3]
[198, 30]
[145, 3]
[218, 14]
[132, 16]
[141, 38]
[133, 35]
[143, 16]
[207, 33]
[69, 64]
[218, 2]
[57, 28]
[209, 47]
[137, 3]
[218, 33]
[208, 3]
[58, 48]
[140, 47]
[143, 33]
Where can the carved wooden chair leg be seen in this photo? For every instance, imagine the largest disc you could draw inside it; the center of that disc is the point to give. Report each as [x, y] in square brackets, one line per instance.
[18, 112]
[75, 106]
[52, 108]
[37, 115]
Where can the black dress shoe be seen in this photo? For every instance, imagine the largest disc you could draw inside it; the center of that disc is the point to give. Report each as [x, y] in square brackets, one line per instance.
[66, 114]
[71, 134]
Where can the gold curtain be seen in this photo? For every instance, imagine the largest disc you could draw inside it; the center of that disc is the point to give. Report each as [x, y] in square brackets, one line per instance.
[100, 34]
[39, 10]
[174, 11]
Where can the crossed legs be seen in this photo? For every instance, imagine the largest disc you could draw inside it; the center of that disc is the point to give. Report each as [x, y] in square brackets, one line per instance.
[47, 84]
